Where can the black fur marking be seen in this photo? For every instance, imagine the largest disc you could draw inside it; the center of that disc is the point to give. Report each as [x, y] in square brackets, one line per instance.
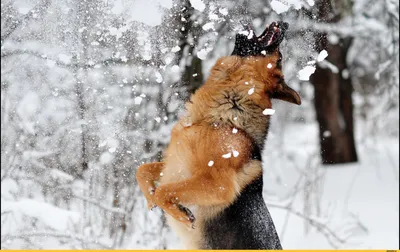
[246, 224]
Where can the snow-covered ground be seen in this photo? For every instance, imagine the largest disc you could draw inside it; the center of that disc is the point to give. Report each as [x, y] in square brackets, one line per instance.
[359, 201]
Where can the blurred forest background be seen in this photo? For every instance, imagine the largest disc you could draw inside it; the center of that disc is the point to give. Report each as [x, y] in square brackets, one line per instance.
[90, 89]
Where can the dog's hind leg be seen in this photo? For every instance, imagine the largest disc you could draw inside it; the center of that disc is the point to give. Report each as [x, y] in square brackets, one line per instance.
[146, 175]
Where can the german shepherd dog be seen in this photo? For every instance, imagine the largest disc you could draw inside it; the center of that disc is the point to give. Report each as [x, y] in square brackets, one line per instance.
[210, 181]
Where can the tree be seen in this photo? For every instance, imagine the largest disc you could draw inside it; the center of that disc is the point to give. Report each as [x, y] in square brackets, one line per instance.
[333, 90]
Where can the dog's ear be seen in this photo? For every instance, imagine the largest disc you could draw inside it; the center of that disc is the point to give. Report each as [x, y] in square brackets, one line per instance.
[286, 93]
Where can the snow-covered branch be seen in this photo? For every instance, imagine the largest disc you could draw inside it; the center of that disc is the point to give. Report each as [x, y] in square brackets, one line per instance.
[83, 240]
[321, 225]
[33, 13]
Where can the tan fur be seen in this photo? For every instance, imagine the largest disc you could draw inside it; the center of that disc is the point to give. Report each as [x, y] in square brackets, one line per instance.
[206, 134]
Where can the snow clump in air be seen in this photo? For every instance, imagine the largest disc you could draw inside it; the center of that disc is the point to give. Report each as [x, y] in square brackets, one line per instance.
[322, 55]
[198, 4]
[279, 7]
[268, 111]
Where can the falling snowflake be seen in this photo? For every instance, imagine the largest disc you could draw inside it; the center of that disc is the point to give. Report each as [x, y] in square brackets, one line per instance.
[268, 111]
[251, 91]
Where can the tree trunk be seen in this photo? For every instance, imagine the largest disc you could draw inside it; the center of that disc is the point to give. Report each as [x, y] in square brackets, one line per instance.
[334, 106]
[333, 90]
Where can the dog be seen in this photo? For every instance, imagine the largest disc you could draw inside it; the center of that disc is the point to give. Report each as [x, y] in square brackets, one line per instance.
[210, 181]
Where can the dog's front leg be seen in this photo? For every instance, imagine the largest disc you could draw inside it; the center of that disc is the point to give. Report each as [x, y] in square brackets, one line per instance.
[200, 190]
[146, 175]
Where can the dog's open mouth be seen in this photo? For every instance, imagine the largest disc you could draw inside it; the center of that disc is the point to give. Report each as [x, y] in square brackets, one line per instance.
[247, 44]
[273, 33]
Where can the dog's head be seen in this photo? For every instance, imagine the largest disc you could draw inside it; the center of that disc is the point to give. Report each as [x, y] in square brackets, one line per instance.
[257, 62]
[263, 56]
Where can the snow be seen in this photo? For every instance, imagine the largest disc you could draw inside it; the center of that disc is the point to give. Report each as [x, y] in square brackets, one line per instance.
[118, 7]
[198, 5]
[175, 69]
[61, 176]
[138, 100]
[251, 34]
[23, 10]
[268, 111]
[244, 32]
[269, 65]
[112, 149]
[330, 66]
[64, 58]
[279, 7]
[9, 188]
[208, 26]
[305, 73]
[106, 158]
[234, 130]
[223, 11]
[157, 119]
[235, 153]
[251, 91]
[345, 74]
[227, 155]
[159, 77]
[152, 15]
[175, 49]
[50, 63]
[326, 133]
[202, 54]
[322, 55]
[311, 2]
[367, 189]
[52, 216]
[333, 39]
[210, 163]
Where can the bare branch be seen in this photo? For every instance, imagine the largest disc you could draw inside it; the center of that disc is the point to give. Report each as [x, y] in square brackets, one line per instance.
[332, 237]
